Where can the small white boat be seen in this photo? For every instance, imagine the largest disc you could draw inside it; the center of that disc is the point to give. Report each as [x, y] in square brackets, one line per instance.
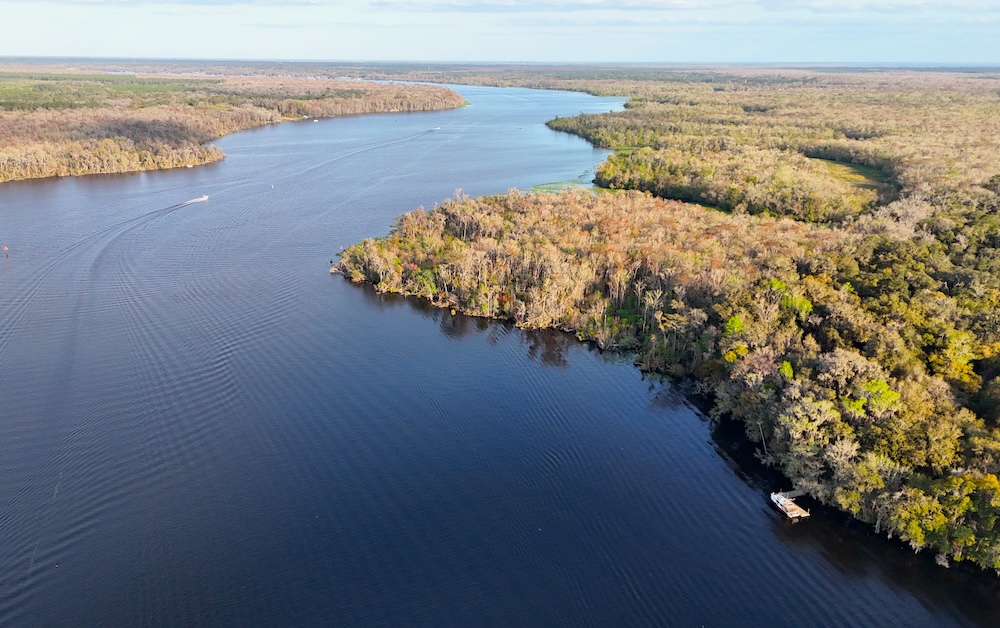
[787, 505]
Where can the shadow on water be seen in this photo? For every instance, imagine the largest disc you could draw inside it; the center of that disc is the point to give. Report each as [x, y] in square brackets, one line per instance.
[845, 546]
[853, 548]
[545, 346]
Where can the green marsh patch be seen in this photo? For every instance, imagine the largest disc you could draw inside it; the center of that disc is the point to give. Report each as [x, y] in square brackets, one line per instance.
[855, 175]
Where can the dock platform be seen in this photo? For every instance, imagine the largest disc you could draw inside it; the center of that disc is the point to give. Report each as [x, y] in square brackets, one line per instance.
[785, 502]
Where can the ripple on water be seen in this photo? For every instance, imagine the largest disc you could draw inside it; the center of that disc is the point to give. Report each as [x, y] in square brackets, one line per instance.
[204, 428]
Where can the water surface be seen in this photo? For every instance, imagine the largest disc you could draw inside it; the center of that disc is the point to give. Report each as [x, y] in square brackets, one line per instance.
[200, 426]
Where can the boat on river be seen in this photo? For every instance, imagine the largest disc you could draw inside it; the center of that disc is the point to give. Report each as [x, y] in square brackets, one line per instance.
[785, 502]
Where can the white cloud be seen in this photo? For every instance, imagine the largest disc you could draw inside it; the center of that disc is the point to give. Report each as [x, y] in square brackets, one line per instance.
[800, 6]
[855, 6]
[578, 6]
[523, 6]
[510, 30]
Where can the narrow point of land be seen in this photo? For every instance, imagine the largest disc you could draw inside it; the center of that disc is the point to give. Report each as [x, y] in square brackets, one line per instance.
[844, 305]
[72, 123]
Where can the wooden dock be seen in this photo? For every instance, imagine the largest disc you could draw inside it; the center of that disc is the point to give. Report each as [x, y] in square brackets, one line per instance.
[785, 502]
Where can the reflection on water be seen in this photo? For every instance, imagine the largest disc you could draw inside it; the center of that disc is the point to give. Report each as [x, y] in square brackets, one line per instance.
[547, 347]
[848, 548]
[855, 551]
[199, 426]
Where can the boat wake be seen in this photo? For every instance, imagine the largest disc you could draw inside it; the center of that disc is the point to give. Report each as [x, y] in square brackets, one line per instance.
[195, 200]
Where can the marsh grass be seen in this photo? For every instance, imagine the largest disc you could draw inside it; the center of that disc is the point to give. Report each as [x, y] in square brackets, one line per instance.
[855, 175]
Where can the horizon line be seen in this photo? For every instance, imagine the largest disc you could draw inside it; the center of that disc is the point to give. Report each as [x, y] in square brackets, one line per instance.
[439, 62]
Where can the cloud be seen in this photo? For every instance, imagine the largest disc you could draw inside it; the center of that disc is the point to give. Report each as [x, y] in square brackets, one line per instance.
[457, 6]
[575, 6]
[580, 6]
[857, 6]
[510, 30]
[206, 3]
[560, 6]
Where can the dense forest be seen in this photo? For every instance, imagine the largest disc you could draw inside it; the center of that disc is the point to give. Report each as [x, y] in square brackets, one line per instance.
[832, 280]
[74, 124]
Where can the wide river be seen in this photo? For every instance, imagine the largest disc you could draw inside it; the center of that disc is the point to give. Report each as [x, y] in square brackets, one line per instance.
[200, 426]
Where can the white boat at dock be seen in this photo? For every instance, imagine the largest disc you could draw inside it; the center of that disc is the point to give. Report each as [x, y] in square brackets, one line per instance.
[785, 502]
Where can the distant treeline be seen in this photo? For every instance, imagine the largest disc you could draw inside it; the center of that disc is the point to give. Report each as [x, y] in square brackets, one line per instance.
[844, 305]
[75, 124]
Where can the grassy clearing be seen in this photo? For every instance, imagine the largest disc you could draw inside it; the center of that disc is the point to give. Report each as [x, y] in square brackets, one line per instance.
[626, 150]
[855, 175]
[585, 180]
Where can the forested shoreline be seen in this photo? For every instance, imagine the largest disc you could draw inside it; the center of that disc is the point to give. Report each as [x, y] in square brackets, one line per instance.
[841, 298]
[55, 124]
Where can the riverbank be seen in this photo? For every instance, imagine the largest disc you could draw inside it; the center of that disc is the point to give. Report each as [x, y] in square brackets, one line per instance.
[70, 124]
[744, 303]
[862, 352]
[186, 379]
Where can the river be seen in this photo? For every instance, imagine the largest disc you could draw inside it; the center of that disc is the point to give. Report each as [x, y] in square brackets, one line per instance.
[199, 425]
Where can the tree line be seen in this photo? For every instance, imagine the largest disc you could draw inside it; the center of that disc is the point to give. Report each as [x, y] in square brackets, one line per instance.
[852, 324]
[67, 124]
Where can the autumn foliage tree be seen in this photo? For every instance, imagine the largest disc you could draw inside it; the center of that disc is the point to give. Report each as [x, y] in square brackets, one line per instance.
[69, 124]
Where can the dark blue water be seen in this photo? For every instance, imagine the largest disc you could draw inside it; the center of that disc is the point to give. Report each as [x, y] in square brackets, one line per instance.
[200, 426]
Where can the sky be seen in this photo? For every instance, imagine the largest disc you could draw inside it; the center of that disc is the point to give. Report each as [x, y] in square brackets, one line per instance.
[544, 31]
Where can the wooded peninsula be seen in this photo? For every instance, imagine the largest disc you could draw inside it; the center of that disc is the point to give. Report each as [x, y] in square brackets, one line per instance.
[60, 124]
[818, 249]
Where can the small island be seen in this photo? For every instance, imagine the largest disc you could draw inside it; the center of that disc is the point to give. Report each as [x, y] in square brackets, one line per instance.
[819, 252]
[59, 123]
